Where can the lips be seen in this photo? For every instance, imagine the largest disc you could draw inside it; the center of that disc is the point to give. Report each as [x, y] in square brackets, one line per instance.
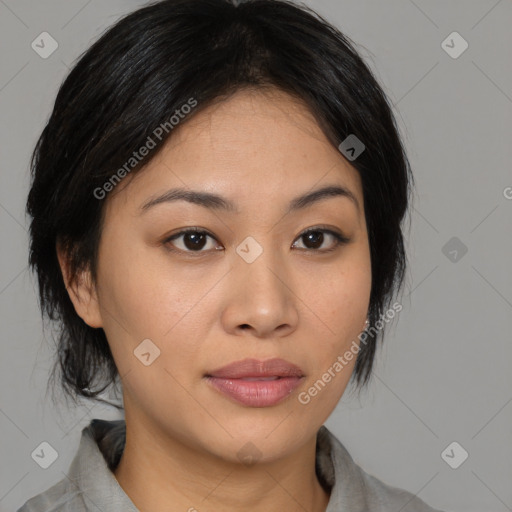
[256, 383]
[255, 369]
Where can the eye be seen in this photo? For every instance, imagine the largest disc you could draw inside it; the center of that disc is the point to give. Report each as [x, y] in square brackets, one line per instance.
[315, 238]
[193, 240]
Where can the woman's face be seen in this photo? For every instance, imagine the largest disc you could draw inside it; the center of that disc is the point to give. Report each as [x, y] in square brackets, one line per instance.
[253, 287]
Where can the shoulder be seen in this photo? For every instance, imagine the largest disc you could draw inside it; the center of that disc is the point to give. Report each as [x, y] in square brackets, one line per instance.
[88, 483]
[61, 497]
[362, 491]
[383, 497]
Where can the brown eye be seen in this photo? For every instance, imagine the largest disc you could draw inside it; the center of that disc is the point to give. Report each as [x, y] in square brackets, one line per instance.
[191, 240]
[198, 241]
[314, 239]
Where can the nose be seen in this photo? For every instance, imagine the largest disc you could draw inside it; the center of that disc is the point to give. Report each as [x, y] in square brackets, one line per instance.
[262, 301]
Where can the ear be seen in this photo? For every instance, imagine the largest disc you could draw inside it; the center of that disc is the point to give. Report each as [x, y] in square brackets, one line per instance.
[82, 292]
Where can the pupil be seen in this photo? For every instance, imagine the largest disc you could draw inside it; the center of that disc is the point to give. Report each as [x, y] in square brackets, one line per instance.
[196, 239]
[316, 237]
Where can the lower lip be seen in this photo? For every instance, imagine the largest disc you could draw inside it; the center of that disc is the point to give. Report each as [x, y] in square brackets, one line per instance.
[261, 393]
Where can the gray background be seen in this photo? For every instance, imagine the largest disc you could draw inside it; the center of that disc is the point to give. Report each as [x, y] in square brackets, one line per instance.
[444, 372]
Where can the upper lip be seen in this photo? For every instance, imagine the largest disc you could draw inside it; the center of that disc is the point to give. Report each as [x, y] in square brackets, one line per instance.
[254, 368]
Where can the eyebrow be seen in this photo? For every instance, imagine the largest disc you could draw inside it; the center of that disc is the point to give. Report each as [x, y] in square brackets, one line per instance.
[217, 202]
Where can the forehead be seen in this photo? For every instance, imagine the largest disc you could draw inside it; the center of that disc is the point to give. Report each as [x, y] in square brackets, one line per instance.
[256, 147]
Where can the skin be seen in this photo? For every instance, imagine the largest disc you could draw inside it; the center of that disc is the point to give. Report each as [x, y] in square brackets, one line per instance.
[260, 150]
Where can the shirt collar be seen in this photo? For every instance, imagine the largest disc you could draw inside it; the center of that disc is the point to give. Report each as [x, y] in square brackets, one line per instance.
[102, 444]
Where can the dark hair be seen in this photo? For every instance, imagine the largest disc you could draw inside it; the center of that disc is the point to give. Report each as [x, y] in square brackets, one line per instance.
[138, 74]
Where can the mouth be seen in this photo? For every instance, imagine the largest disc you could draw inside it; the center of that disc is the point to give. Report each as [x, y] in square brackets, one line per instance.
[255, 369]
[260, 378]
[256, 383]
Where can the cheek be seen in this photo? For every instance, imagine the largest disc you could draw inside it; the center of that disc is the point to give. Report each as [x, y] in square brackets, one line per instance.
[135, 287]
[130, 293]
[144, 297]
[344, 304]
[343, 295]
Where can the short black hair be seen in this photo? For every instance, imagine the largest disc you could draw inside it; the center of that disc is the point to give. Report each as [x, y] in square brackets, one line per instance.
[139, 73]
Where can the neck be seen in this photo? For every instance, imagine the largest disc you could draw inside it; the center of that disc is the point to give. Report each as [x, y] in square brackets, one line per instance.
[157, 472]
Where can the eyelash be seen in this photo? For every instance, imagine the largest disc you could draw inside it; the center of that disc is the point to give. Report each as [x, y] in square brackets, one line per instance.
[338, 237]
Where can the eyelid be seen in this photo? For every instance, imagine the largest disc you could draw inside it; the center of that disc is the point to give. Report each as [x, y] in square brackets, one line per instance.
[184, 231]
[340, 239]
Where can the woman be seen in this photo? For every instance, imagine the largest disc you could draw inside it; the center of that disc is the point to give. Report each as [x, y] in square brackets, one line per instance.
[216, 212]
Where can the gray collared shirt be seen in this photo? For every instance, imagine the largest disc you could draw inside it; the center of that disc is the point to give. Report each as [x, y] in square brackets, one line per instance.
[90, 485]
